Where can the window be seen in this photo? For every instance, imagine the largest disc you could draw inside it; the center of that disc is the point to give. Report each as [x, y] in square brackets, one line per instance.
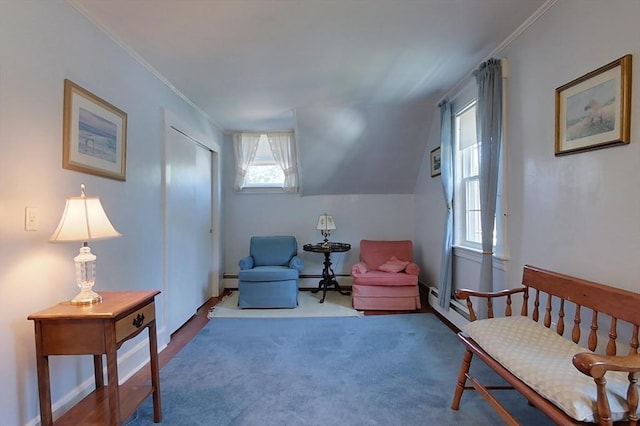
[466, 171]
[468, 230]
[263, 170]
[265, 160]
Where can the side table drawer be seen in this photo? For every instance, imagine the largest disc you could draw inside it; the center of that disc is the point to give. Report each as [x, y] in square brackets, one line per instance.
[135, 321]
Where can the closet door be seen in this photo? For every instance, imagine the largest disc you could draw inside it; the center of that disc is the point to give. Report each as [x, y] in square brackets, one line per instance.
[188, 225]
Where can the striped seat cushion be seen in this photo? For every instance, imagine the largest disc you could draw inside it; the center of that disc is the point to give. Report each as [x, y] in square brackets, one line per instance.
[543, 360]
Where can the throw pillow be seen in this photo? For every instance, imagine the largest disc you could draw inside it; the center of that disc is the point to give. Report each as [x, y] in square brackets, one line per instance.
[359, 268]
[246, 263]
[393, 265]
[412, 269]
[296, 263]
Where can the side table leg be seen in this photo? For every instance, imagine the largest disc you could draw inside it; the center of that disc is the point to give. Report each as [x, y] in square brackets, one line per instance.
[322, 285]
[324, 292]
[112, 378]
[97, 371]
[339, 289]
[326, 278]
[326, 275]
[155, 373]
[44, 384]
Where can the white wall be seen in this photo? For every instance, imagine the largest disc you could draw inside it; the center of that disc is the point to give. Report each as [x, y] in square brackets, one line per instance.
[41, 44]
[577, 214]
[357, 217]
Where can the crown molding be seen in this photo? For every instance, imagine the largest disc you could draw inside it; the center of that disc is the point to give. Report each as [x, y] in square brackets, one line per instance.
[128, 49]
[502, 46]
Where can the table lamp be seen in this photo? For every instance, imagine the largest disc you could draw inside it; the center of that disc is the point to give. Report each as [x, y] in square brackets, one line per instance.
[84, 220]
[325, 226]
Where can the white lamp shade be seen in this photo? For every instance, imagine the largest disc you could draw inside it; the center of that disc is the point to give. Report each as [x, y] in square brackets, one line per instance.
[84, 219]
[325, 223]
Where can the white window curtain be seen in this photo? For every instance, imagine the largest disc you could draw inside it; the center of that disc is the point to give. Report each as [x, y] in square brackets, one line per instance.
[283, 148]
[245, 146]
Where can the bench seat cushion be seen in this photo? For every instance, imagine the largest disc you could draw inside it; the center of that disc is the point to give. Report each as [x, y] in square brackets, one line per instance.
[543, 360]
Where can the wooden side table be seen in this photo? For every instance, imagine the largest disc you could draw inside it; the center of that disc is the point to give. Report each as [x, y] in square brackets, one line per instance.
[98, 329]
[328, 276]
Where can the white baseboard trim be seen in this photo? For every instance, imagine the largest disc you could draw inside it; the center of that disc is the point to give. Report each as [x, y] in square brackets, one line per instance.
[456, 313]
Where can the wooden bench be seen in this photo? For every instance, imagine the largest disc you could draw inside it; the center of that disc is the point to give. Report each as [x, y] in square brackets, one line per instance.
[623, 310]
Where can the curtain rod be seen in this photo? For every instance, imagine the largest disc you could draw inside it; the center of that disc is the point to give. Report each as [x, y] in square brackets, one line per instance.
[232, 131]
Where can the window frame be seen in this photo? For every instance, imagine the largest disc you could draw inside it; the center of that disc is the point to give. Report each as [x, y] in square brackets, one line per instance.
[461, 181]
[463, 163]
[462, 246]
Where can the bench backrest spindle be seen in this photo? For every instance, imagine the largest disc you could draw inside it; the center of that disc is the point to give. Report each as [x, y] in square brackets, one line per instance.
[593, 335]
[613, 335]
[560, 327]
[575, 334]
[525, 302]
[547, 312]
[472, 313]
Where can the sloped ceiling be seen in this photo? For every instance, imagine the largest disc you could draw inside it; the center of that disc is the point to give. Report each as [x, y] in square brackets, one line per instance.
[357, 79]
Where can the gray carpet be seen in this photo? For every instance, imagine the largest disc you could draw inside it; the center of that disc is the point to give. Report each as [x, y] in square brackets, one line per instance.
[377, 370]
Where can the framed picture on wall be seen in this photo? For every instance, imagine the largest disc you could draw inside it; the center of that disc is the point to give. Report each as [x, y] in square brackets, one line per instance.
[593, 111]
[435, 162]
[94, 134]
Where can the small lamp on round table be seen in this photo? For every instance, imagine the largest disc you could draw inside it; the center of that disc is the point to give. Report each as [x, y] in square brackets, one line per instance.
[325, 226]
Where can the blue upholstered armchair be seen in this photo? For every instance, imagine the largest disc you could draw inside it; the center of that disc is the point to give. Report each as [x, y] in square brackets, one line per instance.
[268, 277]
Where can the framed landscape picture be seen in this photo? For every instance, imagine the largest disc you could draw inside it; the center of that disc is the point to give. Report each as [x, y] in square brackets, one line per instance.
[435, 162]
[94, 138]
[594, 110]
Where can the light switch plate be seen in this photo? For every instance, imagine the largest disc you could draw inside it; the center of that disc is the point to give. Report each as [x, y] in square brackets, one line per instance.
[31, 219]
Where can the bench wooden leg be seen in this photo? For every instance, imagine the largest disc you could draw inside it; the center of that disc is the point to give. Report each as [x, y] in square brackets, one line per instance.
[604, 412]
[462, 379]
[632, 398]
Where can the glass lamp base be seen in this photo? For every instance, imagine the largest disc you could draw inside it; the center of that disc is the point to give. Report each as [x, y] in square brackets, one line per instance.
[86, 297]
[86, 277]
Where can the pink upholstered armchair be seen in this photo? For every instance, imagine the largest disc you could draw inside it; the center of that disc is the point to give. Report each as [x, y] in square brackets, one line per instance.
[386, 277]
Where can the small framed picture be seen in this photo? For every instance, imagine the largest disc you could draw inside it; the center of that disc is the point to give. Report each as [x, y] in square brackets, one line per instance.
[435, 162]
[593, 111]
[94, 135]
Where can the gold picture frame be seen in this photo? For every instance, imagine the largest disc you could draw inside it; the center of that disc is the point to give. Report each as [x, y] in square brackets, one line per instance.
[594, 111]
[435, 162]
[94, 134]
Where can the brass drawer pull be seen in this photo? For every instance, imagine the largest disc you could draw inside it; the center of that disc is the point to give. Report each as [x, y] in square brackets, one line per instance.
[137, 321]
